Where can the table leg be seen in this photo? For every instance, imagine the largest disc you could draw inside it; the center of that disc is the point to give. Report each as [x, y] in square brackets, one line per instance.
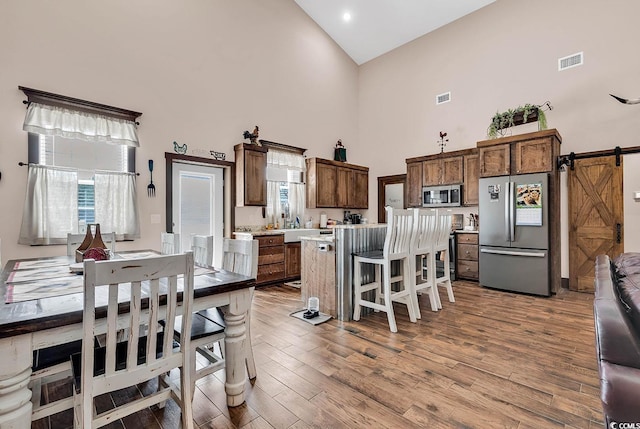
[235, 342]
[15, 373]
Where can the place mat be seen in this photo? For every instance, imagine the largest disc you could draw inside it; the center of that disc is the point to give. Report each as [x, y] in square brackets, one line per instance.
[315, 321]
[45, 263]
[45, 288]
[51, 272]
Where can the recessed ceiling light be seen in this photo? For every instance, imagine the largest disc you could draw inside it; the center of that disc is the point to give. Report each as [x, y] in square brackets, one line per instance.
[346, 16]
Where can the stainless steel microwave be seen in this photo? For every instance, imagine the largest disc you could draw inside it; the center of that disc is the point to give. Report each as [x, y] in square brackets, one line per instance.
[441, 196]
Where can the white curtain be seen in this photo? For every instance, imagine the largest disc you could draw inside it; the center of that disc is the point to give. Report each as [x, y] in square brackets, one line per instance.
[282, 167]
[50, 207]
[115, 204]
[58, 121]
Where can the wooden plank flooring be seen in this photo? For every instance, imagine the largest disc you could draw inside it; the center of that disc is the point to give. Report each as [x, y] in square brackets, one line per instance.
[490, 360]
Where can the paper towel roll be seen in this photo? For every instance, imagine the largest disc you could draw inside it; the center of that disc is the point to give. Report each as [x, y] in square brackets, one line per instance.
[323, 220]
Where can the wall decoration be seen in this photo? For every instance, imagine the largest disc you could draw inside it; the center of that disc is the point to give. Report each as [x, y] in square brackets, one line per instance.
[179, 149]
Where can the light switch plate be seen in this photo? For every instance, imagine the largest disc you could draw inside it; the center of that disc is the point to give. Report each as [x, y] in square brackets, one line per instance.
[155, 218]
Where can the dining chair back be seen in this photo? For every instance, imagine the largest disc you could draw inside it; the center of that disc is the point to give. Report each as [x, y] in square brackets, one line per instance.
[397, 246]
[202, 246]
[149, 350]
[169, 243]
[240, 256]
[423, 265]
[74, 240]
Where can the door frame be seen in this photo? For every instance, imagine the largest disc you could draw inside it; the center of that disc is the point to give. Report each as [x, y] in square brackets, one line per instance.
[390, 180]
[229, 187]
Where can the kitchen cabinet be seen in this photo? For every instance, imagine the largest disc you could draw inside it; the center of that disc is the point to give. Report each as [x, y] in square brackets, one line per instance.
[292, 260]
[251, 171]
[470, 181]
[467, 256]
[442, 171]
[414, 184]
[333, 184]
[458, 167]
[271, 266]
[520, 154]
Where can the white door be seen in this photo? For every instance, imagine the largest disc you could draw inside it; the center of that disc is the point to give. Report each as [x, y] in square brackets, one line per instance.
[198, 205]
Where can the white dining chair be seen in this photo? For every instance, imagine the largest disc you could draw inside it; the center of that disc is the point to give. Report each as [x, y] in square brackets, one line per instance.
[441, 246]
[74, 240]
[147, 352]
[424, 239]
[169, 243]
[202, 247]
[397, 246]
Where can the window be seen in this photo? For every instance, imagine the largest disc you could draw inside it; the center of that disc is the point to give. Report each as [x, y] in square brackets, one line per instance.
[81, 169]
[86, 158]
[285, 187]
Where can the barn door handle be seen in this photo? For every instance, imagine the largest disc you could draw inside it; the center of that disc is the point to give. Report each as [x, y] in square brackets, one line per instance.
[618, 233]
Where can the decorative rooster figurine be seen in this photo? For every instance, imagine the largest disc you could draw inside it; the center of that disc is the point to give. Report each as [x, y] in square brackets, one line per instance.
[179, 149]
[442, 141]
[253, 137]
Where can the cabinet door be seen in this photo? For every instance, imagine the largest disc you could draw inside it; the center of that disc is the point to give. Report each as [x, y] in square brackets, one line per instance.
[358, 189]
[470, 187]
[533, 156]
[495, 160]
[432, 172]
[255, 184]
[325, 185]
[292, 259]
[414, 184]
[452, 170]
[342, 187]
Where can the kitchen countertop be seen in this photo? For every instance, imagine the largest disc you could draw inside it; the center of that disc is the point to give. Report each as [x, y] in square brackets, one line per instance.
[327, 238]
[462, 231]
[361, 226]
[258, 233]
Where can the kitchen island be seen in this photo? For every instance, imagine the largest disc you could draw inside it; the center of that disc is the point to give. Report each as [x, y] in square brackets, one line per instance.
[347, 239]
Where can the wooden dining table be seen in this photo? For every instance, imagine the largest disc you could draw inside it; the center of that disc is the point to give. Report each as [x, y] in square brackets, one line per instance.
[33, 324]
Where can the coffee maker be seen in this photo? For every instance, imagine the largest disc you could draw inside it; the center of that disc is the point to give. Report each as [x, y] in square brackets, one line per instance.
[356, 218]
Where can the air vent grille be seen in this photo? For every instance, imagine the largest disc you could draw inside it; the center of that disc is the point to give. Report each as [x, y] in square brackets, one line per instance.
[443, 98]
[570, 61]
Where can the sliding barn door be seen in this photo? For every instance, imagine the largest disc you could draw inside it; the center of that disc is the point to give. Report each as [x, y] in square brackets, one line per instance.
[595, 217]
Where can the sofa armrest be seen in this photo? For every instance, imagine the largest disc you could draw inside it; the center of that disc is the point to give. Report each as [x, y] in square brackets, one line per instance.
[619, 387]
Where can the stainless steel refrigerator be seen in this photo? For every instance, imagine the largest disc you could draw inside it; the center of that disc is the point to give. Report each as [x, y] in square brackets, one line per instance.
[514, 233]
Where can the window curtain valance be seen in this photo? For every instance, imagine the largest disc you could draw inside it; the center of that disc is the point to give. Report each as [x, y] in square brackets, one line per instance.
[284, 159]
[64, 122]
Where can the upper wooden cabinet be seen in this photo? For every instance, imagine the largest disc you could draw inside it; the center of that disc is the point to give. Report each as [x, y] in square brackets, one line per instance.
[471, 177]
[443, 171]
[251, 171]
[414, 184]
[333, 184]
[520, 154]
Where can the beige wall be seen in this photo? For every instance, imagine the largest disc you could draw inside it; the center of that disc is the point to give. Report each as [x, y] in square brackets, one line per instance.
[204, 71]
[497, 58]
[201, 72]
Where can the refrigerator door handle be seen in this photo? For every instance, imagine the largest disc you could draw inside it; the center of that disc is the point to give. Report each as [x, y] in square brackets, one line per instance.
[507, 229]
[512, 214]
[513, 253]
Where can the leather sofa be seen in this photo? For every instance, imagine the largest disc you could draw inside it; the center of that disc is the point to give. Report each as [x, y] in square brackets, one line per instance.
[616, 311]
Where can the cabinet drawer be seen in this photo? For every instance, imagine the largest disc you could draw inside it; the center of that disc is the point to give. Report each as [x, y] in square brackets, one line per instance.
[467, 238]
[270, 255]
[467, 270]
[270, 272]
[270, 240]
[468, 252]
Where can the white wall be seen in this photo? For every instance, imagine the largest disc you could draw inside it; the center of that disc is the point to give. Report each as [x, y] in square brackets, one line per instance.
[497, 58]
[201, 72]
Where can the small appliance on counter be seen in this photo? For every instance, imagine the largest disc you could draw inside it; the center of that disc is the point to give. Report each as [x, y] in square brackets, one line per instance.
[457, 222]
[356, 218]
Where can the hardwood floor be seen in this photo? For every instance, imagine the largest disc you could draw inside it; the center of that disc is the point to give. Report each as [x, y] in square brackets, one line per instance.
[490, 360]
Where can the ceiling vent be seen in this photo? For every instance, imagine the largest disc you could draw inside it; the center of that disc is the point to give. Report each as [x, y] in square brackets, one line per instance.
[443, 98]
[570, 61]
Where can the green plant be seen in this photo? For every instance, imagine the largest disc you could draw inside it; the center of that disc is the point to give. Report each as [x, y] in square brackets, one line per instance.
[501, 121]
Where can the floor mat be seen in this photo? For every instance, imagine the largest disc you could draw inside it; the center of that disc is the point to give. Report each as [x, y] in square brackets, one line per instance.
[315, 321]
[296, 284]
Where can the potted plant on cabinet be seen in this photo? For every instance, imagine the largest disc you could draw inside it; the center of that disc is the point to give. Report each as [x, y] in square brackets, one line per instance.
[521, 115]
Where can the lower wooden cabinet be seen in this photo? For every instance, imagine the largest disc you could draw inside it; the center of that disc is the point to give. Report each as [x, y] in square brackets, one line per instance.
[467, 256]
[271, 265]
[292, 260]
